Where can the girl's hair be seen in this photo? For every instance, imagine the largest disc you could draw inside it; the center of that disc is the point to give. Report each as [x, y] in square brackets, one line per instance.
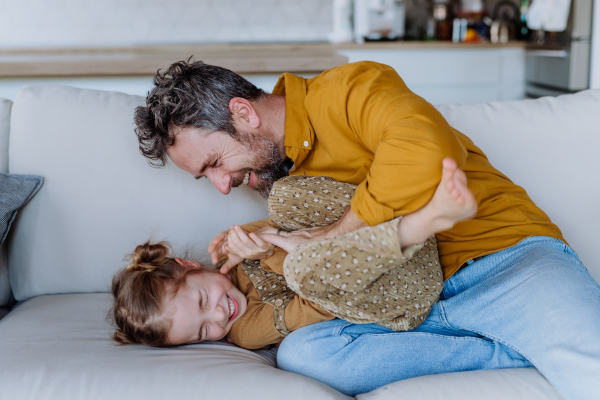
[139, 291]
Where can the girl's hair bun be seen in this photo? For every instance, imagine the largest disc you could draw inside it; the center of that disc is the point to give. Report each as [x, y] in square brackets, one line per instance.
[148, 256]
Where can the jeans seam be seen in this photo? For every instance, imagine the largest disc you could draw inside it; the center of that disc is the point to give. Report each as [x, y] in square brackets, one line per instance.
[432, 334]
[446, 322]
[339, 329]
[502, 342]
[567, 250]
[442, 314]
[455, 286]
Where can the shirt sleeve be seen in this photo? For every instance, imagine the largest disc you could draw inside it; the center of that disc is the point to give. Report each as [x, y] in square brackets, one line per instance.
[408, 138]
[274, 262]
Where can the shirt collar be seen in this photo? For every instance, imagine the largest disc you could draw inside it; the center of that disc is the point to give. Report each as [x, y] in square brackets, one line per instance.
[299, 133]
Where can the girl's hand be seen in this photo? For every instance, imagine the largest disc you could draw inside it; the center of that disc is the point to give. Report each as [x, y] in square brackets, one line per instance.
[218, 248]
[231, 262]
[250, 247]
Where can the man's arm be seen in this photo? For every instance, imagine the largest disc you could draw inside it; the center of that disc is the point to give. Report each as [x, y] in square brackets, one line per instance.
[405, 138]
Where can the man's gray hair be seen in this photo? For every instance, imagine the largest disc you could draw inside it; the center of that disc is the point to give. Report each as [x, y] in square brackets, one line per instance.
[188, 95]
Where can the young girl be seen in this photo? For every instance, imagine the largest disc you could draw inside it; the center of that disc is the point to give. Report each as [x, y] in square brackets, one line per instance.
[383, 274]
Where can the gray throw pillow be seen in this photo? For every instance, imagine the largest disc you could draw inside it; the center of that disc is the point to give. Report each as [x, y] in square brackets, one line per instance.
[15, 191]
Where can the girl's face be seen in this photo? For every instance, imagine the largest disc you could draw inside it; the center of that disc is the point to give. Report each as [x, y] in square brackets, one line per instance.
[205, 306]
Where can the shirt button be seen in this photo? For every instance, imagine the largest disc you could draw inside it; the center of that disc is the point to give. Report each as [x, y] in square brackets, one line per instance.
[278, 302]
[306, 143]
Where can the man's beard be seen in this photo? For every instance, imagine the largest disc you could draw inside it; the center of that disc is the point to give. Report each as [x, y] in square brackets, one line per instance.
[266, 163]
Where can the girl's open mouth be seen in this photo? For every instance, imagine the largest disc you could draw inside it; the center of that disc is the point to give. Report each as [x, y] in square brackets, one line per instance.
[233, 307]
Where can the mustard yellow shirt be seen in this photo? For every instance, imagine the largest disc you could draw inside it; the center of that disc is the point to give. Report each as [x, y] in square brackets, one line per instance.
[360, 124]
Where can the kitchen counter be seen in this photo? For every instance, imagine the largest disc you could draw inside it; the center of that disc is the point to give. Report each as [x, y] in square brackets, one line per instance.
[241, 58]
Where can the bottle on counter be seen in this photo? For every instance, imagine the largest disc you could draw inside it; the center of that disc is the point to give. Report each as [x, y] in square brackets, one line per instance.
[430, 29]
[524, 32]
[442, 15]
[342, 22]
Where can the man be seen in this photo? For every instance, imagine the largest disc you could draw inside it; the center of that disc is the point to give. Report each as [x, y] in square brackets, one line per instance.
[515, 294]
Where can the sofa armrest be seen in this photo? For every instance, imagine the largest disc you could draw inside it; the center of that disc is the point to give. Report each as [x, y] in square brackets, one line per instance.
[5, 108]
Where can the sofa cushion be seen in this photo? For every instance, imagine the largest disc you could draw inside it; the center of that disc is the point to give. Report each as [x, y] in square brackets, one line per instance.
[100, 198]
[15, 191]
[499, 384]
[59, 347]
[5, 107]
[550, 147]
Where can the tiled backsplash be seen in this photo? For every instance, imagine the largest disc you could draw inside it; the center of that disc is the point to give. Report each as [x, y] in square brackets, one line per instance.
[98, 23]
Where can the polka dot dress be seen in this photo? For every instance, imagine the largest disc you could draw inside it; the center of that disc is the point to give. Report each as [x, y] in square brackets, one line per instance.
[363, 276]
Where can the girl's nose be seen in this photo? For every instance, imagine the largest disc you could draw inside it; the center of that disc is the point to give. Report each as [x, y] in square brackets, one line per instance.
[222, 314]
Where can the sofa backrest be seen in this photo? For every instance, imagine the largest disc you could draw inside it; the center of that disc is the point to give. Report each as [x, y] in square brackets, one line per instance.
[549, 146]
[5, 107]
[100, 198]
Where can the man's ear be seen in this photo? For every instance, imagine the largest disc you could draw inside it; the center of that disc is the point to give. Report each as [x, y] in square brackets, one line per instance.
[244, 114]
[186, 263]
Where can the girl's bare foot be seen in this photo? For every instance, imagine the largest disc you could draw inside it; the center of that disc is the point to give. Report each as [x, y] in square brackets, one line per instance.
[453, 201]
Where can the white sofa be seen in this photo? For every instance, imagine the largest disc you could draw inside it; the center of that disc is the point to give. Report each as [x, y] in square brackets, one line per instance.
[100, 199]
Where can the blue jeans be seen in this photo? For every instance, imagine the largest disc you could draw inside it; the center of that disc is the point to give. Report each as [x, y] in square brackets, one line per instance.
[533, 304]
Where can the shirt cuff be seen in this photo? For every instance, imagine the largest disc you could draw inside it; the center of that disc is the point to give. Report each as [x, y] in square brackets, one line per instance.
[274, 262]
[368, 209]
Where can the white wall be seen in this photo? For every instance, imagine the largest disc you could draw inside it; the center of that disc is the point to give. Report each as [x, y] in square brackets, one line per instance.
[98, 23]
[595, 67]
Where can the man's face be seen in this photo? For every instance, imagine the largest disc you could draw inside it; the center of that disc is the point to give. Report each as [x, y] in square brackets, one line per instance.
[254, 160]
[204, 308]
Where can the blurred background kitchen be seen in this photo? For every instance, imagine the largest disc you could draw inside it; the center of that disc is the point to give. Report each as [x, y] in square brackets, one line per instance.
[448, 51]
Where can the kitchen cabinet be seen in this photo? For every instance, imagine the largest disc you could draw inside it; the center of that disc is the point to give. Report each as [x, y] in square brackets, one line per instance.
[454, 75]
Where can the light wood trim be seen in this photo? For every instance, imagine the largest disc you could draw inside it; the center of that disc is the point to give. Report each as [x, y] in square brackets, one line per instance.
[241, 58]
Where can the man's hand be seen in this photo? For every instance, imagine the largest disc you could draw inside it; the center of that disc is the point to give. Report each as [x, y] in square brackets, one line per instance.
[250, 247]
[349, 222]
[286, 240]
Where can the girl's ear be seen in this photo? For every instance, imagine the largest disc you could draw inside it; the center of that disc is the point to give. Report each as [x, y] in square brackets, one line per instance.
[186, 263]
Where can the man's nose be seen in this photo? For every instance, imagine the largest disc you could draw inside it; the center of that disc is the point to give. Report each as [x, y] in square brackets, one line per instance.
[221, 183]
